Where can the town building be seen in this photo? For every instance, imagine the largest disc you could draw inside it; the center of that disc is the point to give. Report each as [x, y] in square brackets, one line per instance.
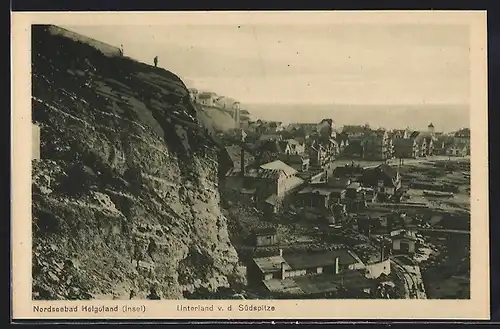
[299, 162]
[35, 142]
[268, 186]
[207, 98]
[420, 142]
[272, 182]
[462, 140]
[284, 266]
[270, 137]
[458, 150]
[442, 144]
[335, 196]
[430, 129]
[355, 130]
[303, 130]
[326, 129]
[353, 172]
[271, 149]
[376, 145]
[263, 237]
[266, 127]
[403, 241]
[405, 148]
[400, 133]
[355, 147]
[383, 177]
[322, 153]
[237, 159]
[310, 273]
[292, 146]
[342, 142]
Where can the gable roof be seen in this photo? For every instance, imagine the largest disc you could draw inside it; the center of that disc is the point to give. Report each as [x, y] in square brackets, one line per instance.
[234, 152]
[282, 146]
[464, 132]
[281, 166]
[388, 170]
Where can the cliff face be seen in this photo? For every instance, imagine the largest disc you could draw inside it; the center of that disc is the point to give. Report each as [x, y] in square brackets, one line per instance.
[125, 195]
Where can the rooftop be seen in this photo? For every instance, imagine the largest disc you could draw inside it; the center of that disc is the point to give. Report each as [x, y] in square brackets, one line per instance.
[316, 190]
[314, 284]
[234, 152]
[408, 142]
[279, 165]
[338, 182]
[403, 234]
[264, 231]
[270, 264]
[315, 259]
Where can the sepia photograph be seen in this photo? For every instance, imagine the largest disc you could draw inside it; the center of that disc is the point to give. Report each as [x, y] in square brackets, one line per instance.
[254, 160]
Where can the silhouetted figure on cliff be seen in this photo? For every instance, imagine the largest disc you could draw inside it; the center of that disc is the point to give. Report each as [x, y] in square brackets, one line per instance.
[156, 61]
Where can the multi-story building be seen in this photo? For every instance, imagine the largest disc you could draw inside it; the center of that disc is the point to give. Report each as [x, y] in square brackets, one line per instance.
[377, 145]
[207, 98]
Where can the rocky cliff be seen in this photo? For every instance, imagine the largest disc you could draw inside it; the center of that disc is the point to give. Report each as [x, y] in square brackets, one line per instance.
[125, 195]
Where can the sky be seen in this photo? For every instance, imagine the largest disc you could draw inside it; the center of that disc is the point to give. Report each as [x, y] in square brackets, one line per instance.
[347, 64]
[316, 64]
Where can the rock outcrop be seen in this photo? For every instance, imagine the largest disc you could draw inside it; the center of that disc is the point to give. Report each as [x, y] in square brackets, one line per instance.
[125, 194]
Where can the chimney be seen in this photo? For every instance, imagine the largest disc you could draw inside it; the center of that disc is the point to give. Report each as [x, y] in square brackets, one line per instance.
[282, 270]
[382, 250]
[281, 252]
[242, 160]
[336, 269]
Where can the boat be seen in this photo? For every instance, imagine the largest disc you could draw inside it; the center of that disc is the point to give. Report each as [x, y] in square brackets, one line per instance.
[438, 194]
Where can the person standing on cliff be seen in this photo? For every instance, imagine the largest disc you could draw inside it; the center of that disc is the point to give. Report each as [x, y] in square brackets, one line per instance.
[156, 61]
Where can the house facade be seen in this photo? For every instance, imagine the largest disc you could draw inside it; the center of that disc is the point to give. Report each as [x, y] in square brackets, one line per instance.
[207, 98]
[403, 242]
[264, 237]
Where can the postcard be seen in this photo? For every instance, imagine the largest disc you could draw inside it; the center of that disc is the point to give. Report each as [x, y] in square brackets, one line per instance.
[250, 165]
